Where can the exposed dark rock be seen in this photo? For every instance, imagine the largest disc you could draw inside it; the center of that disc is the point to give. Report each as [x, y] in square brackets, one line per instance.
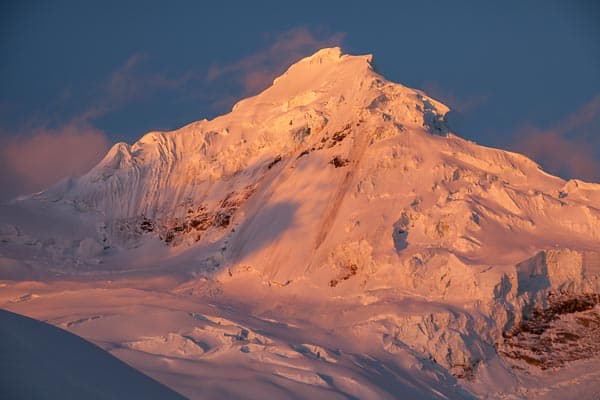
[201, 218]
[147, 225]
[169, 236]
[300, 134]
[339, 136]
[351, 270]
[222, 220]
[567, 330]
[275, 161]
[338, 162]
[304, 153]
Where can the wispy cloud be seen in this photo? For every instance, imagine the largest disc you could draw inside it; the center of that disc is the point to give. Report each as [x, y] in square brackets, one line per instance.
[571, 148]
[36, 161]
[129, 82]
[256, 71]
[583, 118]
[43, 151]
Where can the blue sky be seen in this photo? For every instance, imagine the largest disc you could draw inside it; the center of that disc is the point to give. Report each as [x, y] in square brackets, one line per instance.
[77, 76]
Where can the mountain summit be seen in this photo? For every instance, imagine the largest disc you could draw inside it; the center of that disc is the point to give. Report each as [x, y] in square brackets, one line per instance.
[335, 183]
[325, 94]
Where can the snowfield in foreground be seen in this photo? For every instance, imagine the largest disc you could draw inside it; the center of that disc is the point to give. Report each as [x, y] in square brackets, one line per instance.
[330, 237]
[40, 361]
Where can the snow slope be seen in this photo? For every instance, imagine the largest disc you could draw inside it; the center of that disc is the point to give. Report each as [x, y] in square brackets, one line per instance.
[343, 201]
[39, 361]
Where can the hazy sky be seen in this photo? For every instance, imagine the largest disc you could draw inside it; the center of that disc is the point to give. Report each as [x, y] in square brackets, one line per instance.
[78, 76]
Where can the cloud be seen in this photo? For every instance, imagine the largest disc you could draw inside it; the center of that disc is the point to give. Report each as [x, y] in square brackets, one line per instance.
[37, 156]
[35, 162]
[560, 155]
[587, 115]
[130, 82]
[123, 84]
[571, 148]
[257, 71]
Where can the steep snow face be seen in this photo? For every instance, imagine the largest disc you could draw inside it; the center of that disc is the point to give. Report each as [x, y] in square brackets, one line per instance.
[164, 172]
[335, 183]
[329, 146]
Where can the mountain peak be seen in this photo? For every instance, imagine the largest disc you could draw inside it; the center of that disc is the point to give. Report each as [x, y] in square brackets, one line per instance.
[336, 189]
[327, 63]
[325, 78]
[330, 55]
[325, 54]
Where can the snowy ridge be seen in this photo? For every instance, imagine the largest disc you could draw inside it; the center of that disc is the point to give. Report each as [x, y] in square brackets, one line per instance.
[164, 169]
[335, 186]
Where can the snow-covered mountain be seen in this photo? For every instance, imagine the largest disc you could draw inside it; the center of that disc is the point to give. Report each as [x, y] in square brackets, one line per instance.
[337, 187]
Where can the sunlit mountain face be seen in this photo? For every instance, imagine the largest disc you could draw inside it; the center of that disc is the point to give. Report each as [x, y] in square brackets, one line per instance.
[331, 237]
